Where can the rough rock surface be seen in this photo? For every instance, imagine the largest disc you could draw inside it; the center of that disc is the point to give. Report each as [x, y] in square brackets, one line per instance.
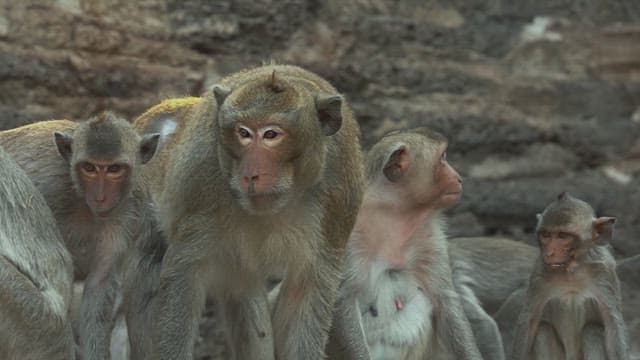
[536, 97]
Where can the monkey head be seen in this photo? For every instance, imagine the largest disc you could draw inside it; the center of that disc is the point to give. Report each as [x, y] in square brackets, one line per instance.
[103, 154]
[567, 229]
[415, 162]
[273, 138]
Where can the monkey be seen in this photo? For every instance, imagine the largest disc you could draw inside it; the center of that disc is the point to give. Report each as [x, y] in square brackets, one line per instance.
[35, 273]
[398, 267]
[572, 307]
[89, 174]
[262, 178]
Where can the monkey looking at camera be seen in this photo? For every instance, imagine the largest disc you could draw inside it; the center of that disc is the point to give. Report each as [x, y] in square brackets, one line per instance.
[35, 273]
[262, 179]
[572, 308]
[89, 174]
[398, 266]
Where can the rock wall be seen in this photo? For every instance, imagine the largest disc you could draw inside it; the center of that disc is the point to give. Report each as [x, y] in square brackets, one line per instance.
[536, 97]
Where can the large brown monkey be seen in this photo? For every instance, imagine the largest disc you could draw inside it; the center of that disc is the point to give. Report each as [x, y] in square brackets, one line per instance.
[35, 273]
[398, 265]
[263, 180]
[89, 175]
[573, 304]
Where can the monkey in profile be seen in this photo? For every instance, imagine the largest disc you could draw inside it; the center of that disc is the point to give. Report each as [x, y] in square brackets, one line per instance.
[572, 308]
[36, 273]
[398, 266]
[89, 174]
[261, 178]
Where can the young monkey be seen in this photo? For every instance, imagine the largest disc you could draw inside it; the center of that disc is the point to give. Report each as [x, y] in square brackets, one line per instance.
[398, 266]
[572, 308]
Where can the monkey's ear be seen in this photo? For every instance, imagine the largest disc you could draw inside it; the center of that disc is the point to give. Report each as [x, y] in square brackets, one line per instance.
[64, 142]
[603, 230]
[330, 113]
[397, 164]
[148, 147]
[220, 92]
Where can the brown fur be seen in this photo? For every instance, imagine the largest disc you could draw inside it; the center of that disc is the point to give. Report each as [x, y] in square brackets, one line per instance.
[216, 244]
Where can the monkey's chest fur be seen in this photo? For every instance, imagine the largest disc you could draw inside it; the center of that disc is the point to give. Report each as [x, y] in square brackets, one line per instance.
[396, 313]
[568, 311]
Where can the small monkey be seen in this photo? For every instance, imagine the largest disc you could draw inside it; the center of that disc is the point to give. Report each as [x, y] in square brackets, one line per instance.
[262, 178]
[572, 308]
[398, 266]
[35, 273]
[89, 174]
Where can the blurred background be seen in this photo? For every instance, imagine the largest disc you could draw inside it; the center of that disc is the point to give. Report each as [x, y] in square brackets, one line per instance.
[536, 96]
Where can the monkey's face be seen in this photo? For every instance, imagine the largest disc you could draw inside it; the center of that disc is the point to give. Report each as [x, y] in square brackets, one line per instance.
[102, 184]
[261, 167]
[447, 179]
[443, 187]
[558, 247]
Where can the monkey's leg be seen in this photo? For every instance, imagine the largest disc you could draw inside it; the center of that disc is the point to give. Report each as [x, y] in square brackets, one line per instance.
[248, 324]
[346, 337]
[25, 315]
[485, 329]
[302, 315]
[546, 345]
[593, 344]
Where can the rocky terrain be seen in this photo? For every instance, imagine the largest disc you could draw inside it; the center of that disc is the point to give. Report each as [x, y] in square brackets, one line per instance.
[536, 97]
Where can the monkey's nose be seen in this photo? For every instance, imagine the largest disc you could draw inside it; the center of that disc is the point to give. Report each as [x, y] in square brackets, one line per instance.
[250, 182]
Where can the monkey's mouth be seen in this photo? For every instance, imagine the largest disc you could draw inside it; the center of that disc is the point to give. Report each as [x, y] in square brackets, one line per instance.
[558, 265]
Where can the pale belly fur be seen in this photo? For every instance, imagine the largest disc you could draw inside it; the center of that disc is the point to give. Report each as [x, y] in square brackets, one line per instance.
[396, 314]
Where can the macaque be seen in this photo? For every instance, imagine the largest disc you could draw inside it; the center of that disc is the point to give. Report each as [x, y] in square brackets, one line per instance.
[89, 174]
[36, 273]
[398, 268]
[572, 307]
[261, 179]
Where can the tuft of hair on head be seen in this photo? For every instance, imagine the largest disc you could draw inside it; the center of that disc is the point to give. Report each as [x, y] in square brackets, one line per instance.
[563, 195]
[275, 84]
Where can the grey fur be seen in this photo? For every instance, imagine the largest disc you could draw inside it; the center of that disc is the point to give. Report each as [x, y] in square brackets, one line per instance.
[35, 273]
[97, 244]
[577, 311]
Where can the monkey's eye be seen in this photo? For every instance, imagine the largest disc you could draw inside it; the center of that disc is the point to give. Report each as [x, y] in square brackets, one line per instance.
[114, 168]
[544, 235]
[564, 235]
[270, 134]
[443, 157]
[88, 167]
[244, 133]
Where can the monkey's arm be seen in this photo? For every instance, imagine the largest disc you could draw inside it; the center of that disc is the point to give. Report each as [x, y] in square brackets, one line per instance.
[180, 301]
[609, 300]
[303, 311]
[346, 338]
[97, 312]
[140, 288]
[485, 329]
[528, 321]
[453, 327]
